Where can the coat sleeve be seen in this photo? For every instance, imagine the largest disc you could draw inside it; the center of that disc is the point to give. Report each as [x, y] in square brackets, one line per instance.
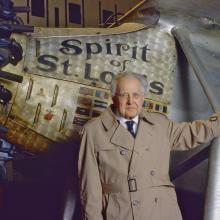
[187, 135]
[90, 185]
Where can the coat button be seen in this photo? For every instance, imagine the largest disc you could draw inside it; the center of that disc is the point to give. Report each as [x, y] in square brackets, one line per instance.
[152, 172]
[135, 202]
[131, 176]
[123, 152]
[213, 118]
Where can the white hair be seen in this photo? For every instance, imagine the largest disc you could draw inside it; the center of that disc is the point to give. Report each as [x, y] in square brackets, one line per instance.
[142, 79]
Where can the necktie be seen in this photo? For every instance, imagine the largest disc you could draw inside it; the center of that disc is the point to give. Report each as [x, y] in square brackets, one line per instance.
[130, 127]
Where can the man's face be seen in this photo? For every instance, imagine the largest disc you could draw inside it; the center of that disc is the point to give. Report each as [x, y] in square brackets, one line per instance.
[129, 97]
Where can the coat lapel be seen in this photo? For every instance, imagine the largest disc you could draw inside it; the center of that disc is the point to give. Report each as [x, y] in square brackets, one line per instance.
[145, 132]
[118, 135]
[144, 136]
[122, 138]
[143, 143]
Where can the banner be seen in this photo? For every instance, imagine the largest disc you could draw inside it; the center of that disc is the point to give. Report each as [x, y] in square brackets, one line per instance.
[67, 78]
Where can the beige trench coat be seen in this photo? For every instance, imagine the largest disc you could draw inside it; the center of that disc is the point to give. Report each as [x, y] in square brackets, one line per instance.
[122, 178]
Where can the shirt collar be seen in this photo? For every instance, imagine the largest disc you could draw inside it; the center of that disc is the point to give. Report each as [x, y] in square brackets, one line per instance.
[110, 119]
[123, 120]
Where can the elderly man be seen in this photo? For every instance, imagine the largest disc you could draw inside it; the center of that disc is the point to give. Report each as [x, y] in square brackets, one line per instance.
[124, 156]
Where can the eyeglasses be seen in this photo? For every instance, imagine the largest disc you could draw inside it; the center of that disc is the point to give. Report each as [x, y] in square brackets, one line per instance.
[125, 95]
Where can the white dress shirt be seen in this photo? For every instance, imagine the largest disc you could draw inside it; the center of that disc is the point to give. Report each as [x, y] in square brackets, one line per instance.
[123, 122]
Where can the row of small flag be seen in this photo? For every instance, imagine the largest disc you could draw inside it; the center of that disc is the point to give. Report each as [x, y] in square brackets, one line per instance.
[94, 92]
[154, 106]
[86, 104]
